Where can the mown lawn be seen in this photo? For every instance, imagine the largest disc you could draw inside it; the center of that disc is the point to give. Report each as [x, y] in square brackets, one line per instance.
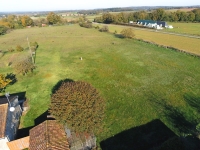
[140, 82]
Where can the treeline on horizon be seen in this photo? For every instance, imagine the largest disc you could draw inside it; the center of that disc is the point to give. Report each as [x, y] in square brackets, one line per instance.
[137, 8]
[157, 15]
[18, 22]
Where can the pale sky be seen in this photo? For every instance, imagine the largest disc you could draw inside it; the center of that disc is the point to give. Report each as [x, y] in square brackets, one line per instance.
[52, 5]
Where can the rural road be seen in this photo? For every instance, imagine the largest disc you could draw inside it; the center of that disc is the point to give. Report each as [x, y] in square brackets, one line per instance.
[153, 30]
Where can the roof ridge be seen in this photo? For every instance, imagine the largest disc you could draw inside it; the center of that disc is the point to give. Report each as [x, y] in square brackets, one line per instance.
[5, 106]
[46, 134]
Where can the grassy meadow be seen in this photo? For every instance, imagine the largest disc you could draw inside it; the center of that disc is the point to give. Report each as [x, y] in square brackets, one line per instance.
[139, 82]
[183, 43]
[184, 28]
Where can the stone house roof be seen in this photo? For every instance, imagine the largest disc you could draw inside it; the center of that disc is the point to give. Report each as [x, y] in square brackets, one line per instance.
[47, 136]
[9, 121]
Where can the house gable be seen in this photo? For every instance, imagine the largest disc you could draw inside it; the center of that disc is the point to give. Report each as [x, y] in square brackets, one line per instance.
[48, 135]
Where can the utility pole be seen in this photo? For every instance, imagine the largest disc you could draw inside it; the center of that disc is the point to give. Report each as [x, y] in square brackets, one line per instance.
[30, 51]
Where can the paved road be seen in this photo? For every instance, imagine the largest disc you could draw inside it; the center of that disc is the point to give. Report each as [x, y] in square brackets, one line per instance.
[153, 30]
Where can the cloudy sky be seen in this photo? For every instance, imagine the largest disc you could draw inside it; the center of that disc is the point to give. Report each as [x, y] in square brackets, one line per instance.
[46, 5]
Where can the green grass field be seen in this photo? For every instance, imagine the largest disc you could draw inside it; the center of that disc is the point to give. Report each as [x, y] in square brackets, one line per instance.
[184, 28]
[183, 43]
[140, 82]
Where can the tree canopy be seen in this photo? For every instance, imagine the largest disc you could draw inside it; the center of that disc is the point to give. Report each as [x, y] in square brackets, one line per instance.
[79, 105]
[52, 18]
[157, 15]
[128, 33]
[4, 81]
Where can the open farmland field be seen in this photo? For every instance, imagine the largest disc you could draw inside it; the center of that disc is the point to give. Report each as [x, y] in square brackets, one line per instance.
[182, 9]
[139, 82]
[91, 17]
[184, 28]
[183, 43]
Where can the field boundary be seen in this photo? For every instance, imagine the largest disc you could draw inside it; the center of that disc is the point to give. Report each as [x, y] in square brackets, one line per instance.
[169, 47]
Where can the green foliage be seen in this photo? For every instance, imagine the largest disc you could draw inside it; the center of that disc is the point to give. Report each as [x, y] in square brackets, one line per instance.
[108, 18]
[3, 30]
[19, 48]
[25, 21]
[86, 24]
[78, 105]
[24, 66]
[4, 82]
[97, 27]
[104, 29]
[52, 18]
[125, 73]
[33, 46]
[11, 49]
[198, 127]
[98, 19]
[128, 33]
[158, 15]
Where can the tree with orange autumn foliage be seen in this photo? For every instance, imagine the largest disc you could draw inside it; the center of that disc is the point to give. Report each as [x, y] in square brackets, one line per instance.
[4, 82]
[79, 106]
[26, 21]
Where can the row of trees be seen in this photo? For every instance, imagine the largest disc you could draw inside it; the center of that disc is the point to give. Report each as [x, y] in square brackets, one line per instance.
[15, 22]
[158, 14]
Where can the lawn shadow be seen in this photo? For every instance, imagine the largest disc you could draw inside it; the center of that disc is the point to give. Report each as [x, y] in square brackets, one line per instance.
[119, 36]
[23, 132]
[12, 77]
[173, 115]
[143, 137]
[56, 87]
[193, 101]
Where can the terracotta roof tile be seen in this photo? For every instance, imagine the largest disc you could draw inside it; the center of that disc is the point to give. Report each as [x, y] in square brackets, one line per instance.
[3, 116]
[19, 144]
[48, 135]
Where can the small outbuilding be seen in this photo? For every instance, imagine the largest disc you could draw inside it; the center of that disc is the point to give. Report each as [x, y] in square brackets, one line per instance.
[162, 23]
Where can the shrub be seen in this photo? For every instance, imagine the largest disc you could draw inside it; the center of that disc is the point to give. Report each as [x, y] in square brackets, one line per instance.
[104, 29]
[86, 24]
[128, 33]
[19, 48]
[97, 27]
[33, 46]
[11, 49]
[4, 82]
[3, 30]
[24, 66]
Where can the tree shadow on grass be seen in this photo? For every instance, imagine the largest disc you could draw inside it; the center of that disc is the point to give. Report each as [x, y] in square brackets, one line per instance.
[193, 101]
[23, 132]
[119, 36]
[142, 137]
[173, 115]
[57, 86]
[12, 77]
